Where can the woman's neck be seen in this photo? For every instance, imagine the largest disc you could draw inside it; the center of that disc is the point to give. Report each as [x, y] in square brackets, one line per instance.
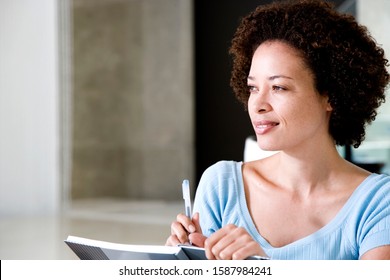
[307, 172]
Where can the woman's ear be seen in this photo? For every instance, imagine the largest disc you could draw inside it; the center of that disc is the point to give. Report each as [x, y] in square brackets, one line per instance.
[328, 106]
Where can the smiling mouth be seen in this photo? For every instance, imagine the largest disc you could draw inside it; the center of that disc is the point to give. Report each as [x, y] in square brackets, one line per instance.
[265, 124]
[262, 128]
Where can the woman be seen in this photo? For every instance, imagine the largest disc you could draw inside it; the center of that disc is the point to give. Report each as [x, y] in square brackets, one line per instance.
[311, 79]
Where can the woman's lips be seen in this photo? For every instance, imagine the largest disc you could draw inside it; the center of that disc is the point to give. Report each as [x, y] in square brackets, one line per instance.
[262, 127]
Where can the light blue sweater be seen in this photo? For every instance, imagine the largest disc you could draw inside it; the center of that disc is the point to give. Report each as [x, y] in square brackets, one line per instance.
[363, 222]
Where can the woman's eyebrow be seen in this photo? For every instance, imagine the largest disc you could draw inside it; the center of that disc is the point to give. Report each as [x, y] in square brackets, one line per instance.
[272, 77]
[278, 77]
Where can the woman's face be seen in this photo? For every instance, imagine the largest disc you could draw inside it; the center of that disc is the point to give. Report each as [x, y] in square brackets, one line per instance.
[284, 106]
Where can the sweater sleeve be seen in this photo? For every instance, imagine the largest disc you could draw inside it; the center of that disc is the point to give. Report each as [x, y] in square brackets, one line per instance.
[374, 231]
[216, 196]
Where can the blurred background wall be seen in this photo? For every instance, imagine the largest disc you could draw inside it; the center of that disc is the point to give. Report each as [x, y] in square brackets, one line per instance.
[29, 108]
[133, 98]
[376, 148]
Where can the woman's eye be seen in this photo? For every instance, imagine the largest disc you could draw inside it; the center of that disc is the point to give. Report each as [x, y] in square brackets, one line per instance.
[277, 88]
[252, 89]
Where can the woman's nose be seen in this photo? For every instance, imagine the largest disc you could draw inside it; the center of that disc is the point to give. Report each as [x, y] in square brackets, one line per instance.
[260, 103]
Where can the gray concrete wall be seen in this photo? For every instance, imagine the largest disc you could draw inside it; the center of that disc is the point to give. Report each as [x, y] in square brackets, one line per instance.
[133, 101]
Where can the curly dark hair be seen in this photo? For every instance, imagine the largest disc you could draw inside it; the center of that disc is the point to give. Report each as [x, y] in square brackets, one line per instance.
[348, 65]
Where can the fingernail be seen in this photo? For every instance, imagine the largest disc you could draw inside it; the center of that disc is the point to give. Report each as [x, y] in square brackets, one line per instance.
[191, 228]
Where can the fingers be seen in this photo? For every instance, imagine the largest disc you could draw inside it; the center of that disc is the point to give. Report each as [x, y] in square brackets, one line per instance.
[172, 241]
[251, 248]
[231, 243]
[197, 239]
[181, 228]
[217, 242]
[179, 232]
[195, 221]
[186, 223]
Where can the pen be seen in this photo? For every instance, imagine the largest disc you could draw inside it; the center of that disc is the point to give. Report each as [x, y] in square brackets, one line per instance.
[187, 198]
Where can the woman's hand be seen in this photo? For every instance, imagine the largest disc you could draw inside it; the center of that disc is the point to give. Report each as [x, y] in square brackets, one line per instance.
[184, 231]
[231, 243]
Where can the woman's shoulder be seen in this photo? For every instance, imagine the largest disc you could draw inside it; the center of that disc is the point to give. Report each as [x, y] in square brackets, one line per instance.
[376, 185]
[222, 175]
[223, 167]
[371, 197]
[376, 182]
